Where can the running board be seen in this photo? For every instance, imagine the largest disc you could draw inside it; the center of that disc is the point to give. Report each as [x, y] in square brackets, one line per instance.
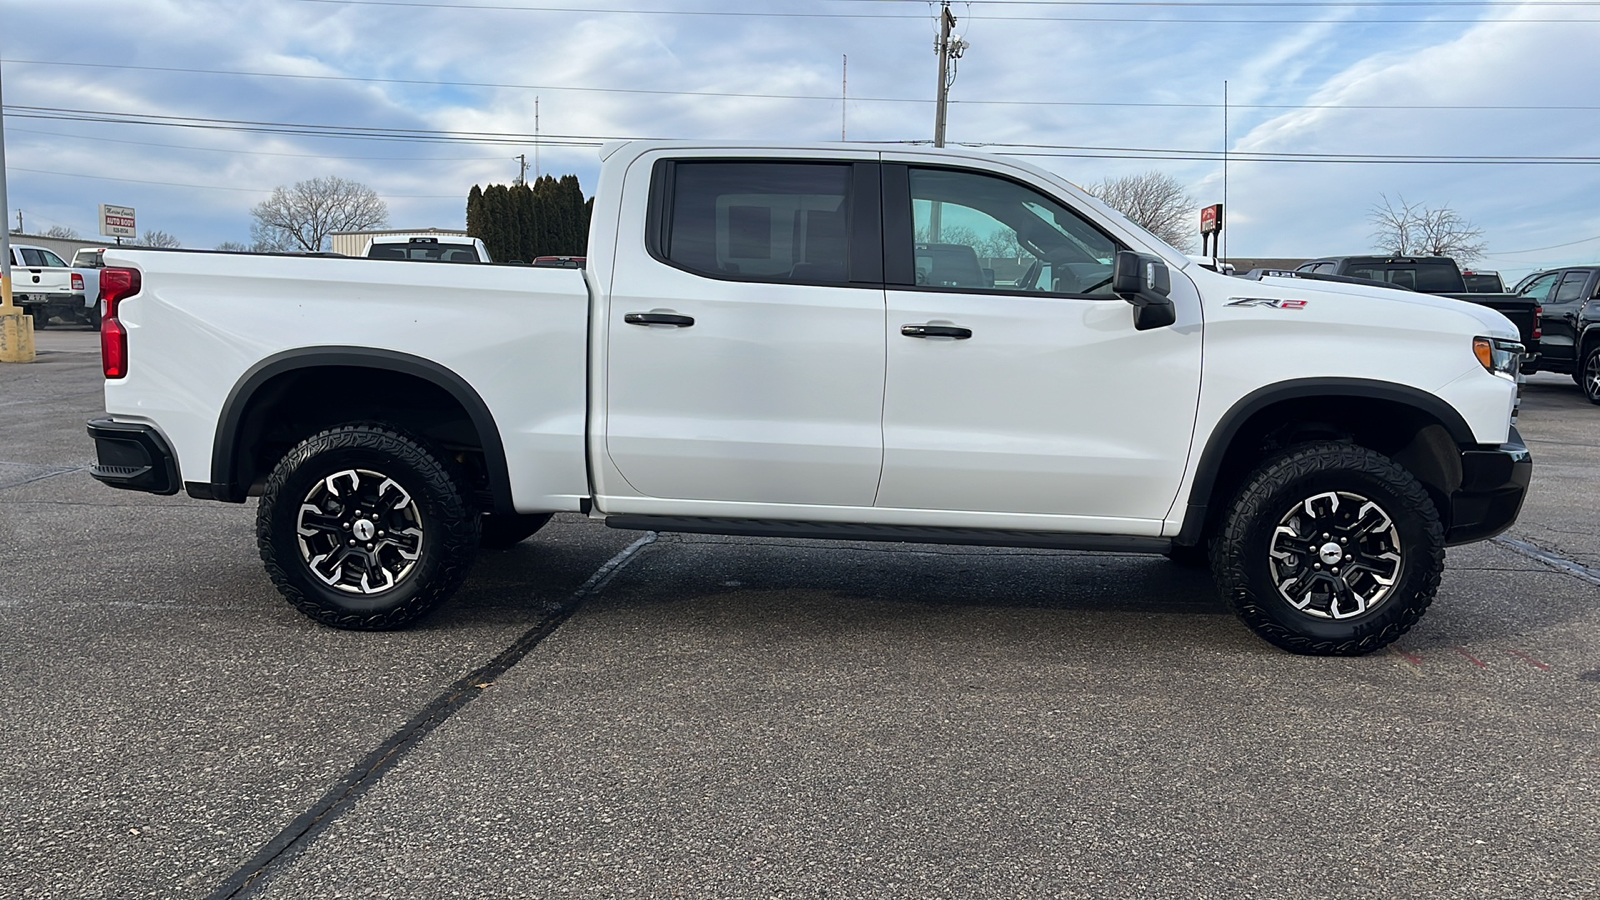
[907, 534]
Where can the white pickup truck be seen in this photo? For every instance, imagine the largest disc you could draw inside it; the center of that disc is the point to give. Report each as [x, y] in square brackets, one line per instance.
[45, 286]
[813, 342]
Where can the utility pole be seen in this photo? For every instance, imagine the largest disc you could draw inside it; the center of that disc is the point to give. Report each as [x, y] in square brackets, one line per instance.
[950, 47]
[522, 172]
[16, 329]
[537, 172]
[844, 98]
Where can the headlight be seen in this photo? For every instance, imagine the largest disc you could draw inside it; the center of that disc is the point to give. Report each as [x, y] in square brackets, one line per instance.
[1499, 356]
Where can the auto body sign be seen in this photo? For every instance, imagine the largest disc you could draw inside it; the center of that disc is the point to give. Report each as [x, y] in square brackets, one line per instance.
[117, 221]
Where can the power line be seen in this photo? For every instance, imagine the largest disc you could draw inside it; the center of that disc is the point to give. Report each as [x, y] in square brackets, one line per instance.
[213, 187]
[416, 4]
[822, 97]
[230, 150]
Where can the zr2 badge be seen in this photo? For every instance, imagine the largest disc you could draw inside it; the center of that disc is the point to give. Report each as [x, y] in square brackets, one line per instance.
[1273, 302]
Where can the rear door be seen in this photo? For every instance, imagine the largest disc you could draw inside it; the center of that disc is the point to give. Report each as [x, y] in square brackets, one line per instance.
[745, 336]
[1017, 383]
[1565, 300]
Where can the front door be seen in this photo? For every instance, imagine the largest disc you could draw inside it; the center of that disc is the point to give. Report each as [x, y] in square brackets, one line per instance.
[1016, 380]
[745, 351]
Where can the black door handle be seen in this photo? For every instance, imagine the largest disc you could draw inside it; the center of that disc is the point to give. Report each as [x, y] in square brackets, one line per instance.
[927, 331]
[651, 318]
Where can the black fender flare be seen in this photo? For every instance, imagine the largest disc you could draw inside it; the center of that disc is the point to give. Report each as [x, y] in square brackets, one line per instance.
[224, 468]
[1221, 439]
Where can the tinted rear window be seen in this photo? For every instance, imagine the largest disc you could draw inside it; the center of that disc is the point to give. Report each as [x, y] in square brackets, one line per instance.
[1433, 278]
[428, 252]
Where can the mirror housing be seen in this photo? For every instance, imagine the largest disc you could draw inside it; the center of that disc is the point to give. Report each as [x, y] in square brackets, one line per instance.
[1143, 280]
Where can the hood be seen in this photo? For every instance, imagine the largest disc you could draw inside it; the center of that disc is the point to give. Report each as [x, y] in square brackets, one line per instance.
[1492, 323]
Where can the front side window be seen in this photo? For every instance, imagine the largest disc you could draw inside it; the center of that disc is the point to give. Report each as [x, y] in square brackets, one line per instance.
[980, 232]
[1539, 288]
[764, 221]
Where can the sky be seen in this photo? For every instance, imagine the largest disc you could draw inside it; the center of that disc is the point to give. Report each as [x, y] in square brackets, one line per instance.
[192, 111]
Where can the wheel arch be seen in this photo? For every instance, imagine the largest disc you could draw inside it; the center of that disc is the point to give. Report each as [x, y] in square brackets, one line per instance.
[1420, 430]
[264, 388]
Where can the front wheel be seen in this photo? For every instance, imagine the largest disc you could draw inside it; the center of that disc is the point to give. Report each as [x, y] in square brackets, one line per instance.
[1330, 549]
[1590, 379]
[365, 528]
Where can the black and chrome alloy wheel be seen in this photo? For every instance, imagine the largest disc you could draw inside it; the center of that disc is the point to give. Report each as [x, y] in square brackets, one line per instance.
[1329, 548]
[359, 531]
[1336, 555]
[365, 527]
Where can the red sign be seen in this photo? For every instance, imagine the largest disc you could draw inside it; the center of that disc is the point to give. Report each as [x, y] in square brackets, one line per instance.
[1211, 219]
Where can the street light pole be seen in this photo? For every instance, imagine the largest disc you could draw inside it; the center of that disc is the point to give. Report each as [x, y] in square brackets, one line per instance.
[16, 329]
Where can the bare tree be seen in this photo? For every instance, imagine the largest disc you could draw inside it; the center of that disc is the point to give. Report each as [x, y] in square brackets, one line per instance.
[232, 247]
[1154, 201]
[62, 232]
[1412, 229]
[154, 238]
[302, 217]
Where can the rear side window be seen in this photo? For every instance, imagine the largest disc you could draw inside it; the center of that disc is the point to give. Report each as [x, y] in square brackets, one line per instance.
[765, 221]
[1435, 278]
[1571, 288]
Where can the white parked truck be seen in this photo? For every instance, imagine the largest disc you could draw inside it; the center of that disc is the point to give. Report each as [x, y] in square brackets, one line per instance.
[804, 341]
[46, 287]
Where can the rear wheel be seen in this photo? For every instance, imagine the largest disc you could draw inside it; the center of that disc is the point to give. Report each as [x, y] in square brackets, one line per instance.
[364, 528]
[41, 319]
[1330, 549]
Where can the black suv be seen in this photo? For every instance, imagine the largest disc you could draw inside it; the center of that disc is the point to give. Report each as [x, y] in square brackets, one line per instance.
[1571, 339]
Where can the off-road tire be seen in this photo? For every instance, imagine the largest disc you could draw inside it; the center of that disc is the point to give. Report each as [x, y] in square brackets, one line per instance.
[41, 321]
[502, 532]
[1243, 569]
[446, 519]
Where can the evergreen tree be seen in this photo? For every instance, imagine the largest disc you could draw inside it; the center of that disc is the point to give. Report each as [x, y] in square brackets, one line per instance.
[475, 216]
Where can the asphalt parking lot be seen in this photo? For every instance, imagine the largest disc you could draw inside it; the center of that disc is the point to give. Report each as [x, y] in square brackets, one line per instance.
[598, 716]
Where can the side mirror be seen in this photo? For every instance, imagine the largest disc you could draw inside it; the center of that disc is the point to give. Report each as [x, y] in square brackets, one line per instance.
[1143, 280]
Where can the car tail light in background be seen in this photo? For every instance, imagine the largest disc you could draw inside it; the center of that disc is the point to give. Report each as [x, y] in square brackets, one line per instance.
[1538, 322]
[116, 285]
[77, 281]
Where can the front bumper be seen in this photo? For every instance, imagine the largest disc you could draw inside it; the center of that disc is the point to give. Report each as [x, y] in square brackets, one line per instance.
[133, 457]
[1493, 485]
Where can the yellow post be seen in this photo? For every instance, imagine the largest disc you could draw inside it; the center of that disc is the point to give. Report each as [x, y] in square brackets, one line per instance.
[16, 329]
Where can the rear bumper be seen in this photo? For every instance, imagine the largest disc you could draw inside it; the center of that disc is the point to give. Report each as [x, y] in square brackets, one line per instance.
[133, 457]
[1493, 486]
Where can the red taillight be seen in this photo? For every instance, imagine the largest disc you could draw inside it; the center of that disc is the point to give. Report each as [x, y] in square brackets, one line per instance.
[116, 285]
[77, 281]
[1538, 322]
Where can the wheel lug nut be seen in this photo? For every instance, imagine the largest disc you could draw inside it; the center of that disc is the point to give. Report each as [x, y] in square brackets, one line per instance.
[369, 546]
[1316, 565]
[347, 526]
[1344, 540]
[352, 543]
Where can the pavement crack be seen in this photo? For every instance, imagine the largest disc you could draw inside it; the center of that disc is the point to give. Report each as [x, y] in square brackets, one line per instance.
[1553, 560]
[299, 834]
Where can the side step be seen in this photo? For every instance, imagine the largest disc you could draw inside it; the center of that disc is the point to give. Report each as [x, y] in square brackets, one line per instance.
[907, 534]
